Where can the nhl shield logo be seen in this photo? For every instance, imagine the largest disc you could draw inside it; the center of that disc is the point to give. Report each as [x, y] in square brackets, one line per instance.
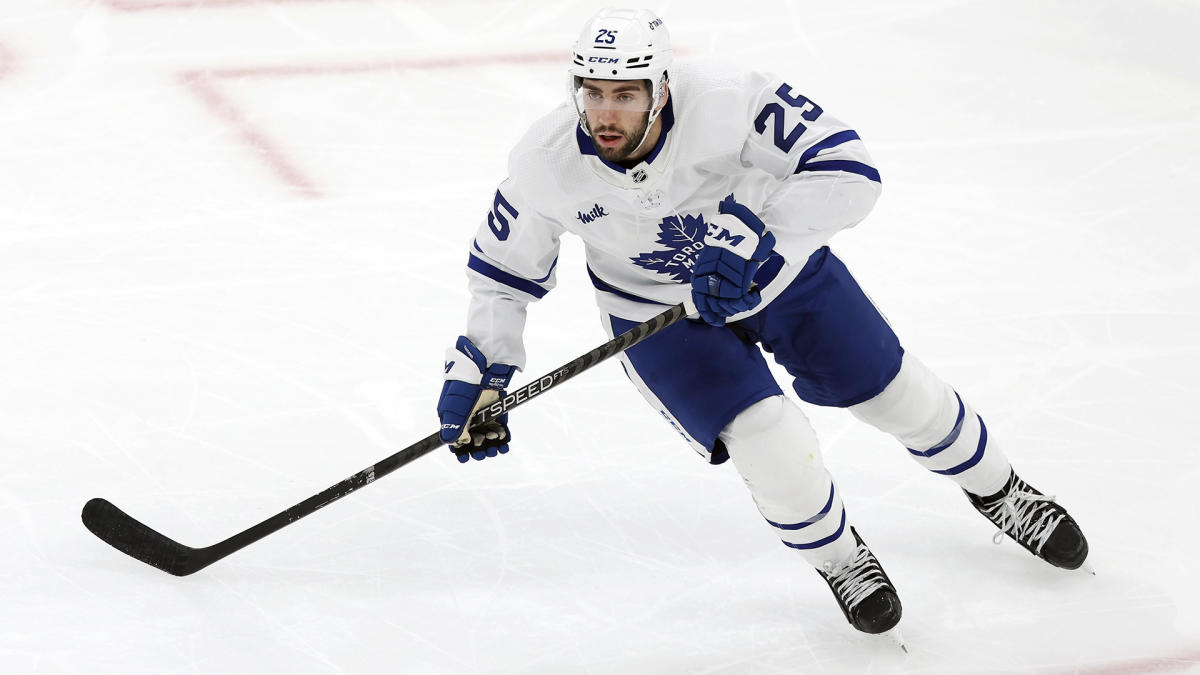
[639, 176]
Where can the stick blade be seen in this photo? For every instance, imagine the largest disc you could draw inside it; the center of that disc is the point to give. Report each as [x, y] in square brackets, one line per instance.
[129, 536]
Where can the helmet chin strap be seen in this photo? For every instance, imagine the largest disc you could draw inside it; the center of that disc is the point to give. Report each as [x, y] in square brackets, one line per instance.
[656, 107]
[651, 116]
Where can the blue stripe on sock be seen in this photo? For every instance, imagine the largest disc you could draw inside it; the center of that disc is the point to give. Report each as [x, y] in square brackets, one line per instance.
[821, 542]
[950, 439]
[954, 471]
[805, 523]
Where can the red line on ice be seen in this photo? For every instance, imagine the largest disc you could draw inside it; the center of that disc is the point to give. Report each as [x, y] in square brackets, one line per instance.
[414, 64]
[204, 85]
[1143, 666]
[7, 59]
[149, 5]
[277, 160]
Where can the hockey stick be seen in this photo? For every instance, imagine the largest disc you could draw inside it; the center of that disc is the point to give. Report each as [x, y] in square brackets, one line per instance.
[128, 535]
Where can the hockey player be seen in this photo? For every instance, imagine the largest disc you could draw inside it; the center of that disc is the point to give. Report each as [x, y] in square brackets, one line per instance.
[724, 187]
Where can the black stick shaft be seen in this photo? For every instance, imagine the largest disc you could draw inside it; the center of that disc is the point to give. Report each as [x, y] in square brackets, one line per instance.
[139, 541]
[433, 441]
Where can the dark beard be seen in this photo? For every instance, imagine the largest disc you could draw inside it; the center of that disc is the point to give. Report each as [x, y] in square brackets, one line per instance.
[622, 153]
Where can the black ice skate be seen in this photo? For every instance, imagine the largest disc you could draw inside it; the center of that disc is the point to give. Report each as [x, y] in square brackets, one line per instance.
[1034, 521]
[864, 592]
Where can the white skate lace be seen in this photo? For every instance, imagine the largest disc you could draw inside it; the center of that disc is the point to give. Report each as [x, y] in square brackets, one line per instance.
[1025, 516]
[855, 579]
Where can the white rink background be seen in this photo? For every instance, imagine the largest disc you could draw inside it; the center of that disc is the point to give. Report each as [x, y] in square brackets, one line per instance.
[231, 245]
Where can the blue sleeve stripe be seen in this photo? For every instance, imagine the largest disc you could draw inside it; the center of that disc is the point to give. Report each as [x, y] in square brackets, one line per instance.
[543, 280]
[843, 165]
[547, 277]
[497, 274]
[831, 142]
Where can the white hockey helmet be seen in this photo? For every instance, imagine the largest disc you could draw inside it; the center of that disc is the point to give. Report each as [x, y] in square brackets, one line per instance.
[623, 44]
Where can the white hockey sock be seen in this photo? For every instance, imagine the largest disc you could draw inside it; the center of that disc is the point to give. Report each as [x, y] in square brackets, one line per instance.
[941, 431]
[775, 450]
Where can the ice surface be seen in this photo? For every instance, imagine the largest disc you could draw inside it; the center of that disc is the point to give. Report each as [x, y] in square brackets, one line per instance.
[231, 241]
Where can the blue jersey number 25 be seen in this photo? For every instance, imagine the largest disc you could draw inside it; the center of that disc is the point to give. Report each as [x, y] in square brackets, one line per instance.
[496, 218]
[786, 140]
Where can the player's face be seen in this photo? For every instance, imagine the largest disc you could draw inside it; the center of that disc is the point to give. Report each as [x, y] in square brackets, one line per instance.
[617, 115]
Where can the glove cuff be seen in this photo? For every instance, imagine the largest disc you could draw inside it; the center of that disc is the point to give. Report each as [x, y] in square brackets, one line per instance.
[461, 368]
[497, 376]
[465, 363]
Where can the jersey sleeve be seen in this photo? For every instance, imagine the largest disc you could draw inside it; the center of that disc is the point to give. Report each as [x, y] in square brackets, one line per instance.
[511, 264]
[827, 179]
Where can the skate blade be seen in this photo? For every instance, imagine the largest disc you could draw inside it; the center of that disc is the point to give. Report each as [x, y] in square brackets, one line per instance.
[896, 636]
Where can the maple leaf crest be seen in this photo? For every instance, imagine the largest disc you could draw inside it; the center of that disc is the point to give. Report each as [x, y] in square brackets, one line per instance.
[683, 239]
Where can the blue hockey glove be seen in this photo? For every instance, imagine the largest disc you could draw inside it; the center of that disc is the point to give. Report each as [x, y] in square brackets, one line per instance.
[471, 385]
[736, 244]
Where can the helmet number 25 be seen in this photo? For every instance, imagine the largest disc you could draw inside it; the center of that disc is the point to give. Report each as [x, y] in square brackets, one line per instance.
[786, 140]
[606, 36]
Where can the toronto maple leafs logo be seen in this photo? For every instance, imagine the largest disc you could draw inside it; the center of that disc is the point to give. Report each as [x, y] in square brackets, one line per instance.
[682, 237]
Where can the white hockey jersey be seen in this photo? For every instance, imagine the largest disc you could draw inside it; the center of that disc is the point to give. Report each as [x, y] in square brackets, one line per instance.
[725, 132]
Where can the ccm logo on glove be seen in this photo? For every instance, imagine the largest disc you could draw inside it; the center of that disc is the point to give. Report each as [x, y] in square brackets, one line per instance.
[735, 245]
[470, 385]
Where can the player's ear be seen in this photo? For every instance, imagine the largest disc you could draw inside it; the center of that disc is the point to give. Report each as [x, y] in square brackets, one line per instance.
[666, 96]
